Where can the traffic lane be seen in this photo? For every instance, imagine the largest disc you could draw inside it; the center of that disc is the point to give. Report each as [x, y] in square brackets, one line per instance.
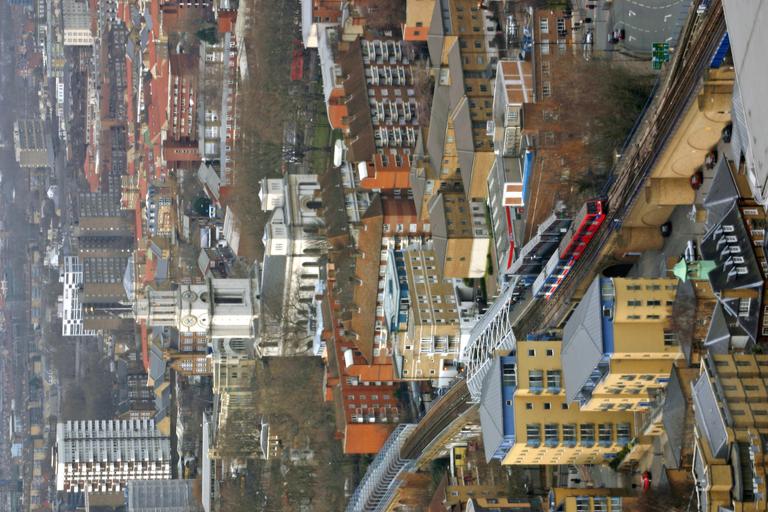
[649, 21]
[684, 228]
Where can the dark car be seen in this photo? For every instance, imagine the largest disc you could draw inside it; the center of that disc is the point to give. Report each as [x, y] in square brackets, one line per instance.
[727, 133]
[666, 229]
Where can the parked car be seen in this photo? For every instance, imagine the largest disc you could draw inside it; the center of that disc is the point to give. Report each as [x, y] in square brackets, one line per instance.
[711, 159]
[697, 179]
[727, 133]
[666, 229]
[646, 477]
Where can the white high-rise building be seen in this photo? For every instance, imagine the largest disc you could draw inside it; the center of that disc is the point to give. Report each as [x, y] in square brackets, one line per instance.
[71, 313]
[218, 308]
[103, 455]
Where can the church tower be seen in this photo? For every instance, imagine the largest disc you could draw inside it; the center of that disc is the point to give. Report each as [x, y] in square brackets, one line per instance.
[218, 308]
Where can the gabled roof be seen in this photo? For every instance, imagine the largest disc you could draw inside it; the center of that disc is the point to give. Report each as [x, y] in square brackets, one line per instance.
[435, 36]
[715, 247]
[582, 342]
[366, 281]
[722, 193]
[718, 338]
[361, 144]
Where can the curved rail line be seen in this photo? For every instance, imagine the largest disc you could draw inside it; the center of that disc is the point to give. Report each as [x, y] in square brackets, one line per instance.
[698, 43]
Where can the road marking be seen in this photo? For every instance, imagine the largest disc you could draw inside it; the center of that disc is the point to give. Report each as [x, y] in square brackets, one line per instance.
[631, 13]
[666, 17]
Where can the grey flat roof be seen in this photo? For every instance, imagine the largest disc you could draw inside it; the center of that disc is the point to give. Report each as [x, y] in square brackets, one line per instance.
[582, 342]
[491, 410]
[708, 416]
[161, 495]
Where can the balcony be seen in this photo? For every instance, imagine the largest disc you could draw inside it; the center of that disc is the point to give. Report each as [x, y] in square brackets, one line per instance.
[513, 139]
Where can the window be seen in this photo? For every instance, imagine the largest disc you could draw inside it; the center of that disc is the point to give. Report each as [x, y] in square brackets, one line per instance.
[547, 406]
[605, 434]
[529, 406]
[545, 47]
[546, 89]
[616, 503]
[670, 338]
[554, 378]
[652, 317]
[533, 434]
[744, 307]
[600, 504]
[633, 287]
[509, 374]
[587, 434]
[536, 380]
[634, 303]
[544, 25]
[622, 433]
[551, 434]
[550, 352]
[583, 504]
[531, 352]
[653, 303]
[633, 317]
[564, 406]
[569, 434]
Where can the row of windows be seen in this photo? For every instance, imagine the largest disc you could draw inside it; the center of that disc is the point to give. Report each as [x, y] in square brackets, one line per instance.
[605, 434]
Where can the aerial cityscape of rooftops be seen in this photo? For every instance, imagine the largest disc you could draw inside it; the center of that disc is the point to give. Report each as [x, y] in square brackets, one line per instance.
[383, 255]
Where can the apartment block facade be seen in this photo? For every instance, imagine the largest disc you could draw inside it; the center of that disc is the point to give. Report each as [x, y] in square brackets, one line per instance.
[730, 406]
[103, 455]
[619, 345]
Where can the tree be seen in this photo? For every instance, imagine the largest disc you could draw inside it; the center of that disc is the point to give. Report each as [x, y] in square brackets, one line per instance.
[201, 206]
[386, 14]
[209, 35]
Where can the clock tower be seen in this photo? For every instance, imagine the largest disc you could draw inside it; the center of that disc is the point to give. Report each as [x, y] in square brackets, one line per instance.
[217, 308]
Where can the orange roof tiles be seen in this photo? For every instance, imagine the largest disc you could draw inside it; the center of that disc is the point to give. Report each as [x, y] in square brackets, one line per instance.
[361, 438]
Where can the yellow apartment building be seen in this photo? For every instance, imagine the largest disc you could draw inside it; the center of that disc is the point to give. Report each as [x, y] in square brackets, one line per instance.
[730, 404]
[526, 419]
[430, 348]
[452, 162]
[619, 345]
[564, 499]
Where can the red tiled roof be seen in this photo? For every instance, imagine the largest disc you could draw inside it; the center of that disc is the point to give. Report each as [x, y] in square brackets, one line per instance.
[227, 21]
[144, 345]
[361, 438]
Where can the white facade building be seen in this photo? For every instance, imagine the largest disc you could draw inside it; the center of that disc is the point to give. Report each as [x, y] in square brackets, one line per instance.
[103, 455]
[218, 308]
[71, 279]
[77, 23]
[294, 249]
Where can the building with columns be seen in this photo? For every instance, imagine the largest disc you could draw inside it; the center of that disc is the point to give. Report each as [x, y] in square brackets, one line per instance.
[294, 248]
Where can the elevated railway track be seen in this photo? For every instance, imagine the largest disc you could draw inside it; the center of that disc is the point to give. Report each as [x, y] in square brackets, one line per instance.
[679, 87]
